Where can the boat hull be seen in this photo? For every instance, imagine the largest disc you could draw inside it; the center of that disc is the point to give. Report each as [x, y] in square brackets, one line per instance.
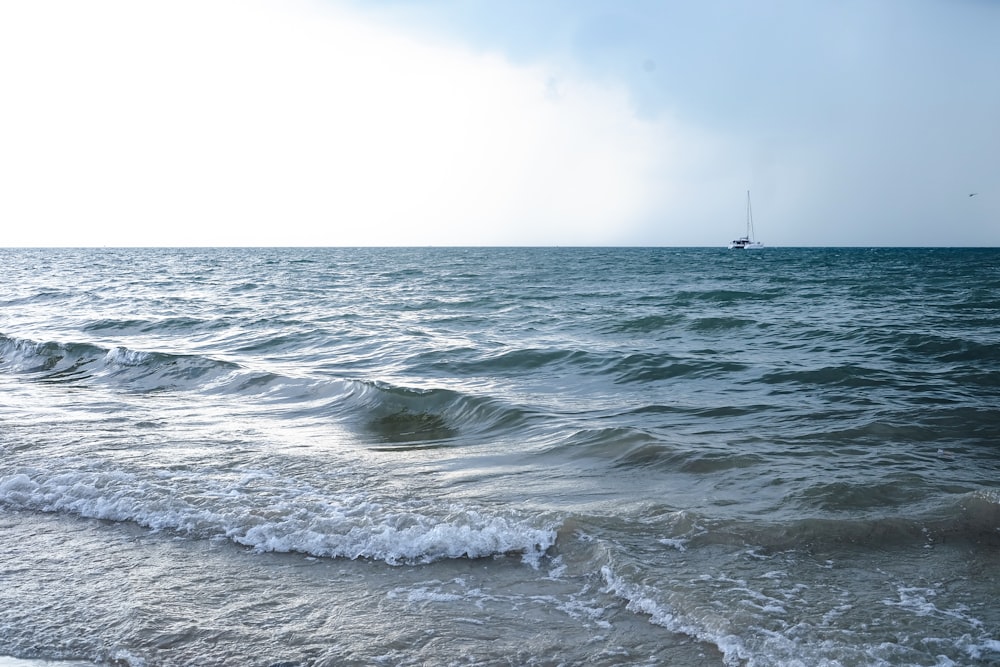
[746, 242]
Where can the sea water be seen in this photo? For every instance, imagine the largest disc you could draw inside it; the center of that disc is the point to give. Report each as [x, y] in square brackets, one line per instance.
[500, 456]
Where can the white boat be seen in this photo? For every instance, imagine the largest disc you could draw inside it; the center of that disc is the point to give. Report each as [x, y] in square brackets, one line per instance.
[747, 242]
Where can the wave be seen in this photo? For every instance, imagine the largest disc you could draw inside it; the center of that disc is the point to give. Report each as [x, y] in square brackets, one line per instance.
[513, 361]
[620, 368]
[403, 415]
[628, 447]
[848, 375]
[386, 413]
[270, 514]
[134, 325]
[42, 295]
[643, 599]
[651, 367]
[784, 593]
[970, 518]
[647, 324]
[930, 347]
[726, 296]
[76, 362]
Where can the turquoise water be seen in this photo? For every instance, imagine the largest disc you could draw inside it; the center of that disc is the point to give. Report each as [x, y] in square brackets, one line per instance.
[500, 456]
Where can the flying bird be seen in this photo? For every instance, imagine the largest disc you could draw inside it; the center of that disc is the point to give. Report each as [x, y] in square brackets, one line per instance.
[973, 194]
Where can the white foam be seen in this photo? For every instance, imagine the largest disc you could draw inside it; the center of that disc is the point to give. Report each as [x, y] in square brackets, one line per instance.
[558, 568]
[426, 595]
[982, 648]
[6, 661]
[579, 609]
[400, 537]
[675, 543]
[122, 356]
[917, 600]
[278, 516]
[642, 600]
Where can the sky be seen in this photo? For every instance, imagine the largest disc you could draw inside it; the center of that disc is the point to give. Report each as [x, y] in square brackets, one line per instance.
[477, 122]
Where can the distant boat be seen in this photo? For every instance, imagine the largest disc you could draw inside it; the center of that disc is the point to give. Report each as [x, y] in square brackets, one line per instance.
[747, 242]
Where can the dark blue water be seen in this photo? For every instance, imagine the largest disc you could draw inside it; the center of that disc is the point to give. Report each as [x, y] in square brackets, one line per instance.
[500, 456]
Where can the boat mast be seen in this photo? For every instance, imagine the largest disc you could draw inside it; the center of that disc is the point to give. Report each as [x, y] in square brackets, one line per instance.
[749, 218]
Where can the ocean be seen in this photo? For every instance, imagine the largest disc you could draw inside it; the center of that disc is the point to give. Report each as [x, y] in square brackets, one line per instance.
[500, 456]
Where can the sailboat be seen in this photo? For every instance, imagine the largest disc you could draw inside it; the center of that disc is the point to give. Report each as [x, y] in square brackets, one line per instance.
[747, 242]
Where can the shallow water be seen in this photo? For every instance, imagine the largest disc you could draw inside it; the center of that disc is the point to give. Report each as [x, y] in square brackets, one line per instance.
[500, 456]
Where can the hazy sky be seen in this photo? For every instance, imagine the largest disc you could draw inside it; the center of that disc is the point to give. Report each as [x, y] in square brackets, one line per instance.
[486, 122]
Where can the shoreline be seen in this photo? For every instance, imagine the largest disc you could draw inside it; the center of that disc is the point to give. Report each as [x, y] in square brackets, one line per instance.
[9, 661]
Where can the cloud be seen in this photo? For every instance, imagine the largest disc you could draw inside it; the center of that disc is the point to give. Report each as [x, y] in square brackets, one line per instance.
[854, 122]
[261, 122]
[265, 123]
